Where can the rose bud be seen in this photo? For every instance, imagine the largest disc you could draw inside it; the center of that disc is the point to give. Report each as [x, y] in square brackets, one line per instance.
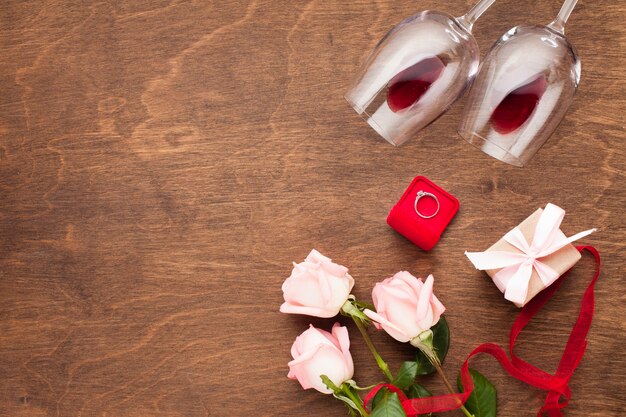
[317, 287]
[405, 306]
[317, 352]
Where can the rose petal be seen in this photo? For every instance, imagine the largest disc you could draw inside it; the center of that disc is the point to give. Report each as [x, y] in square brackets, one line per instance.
[317, 283]
[423, 303]
[405, 276]
[304, 289]
[341, 333]
[306, 355]
[314, 336]
[323, 280]
[396, 292]
[416, 284]
[401, 311]
[320, 360]
[298, 372]
[326, 263]
[393, 330]
[308, 311]
[316, 257]
[295, 348]
[437, 306]
[427, 321]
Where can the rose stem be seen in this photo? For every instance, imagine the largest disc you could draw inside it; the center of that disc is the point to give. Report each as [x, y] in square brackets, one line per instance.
[379, 360]
[447, 383]
[437, 364]
[356, 400]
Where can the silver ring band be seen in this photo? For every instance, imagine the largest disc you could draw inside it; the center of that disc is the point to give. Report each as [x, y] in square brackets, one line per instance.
[421, 194]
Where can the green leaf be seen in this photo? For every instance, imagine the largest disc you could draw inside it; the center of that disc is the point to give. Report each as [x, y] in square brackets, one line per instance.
[351, 309]
[388, 406]
[406, 375]
[349, 403]
[329, 384]
[379, 397]
[417, 391]
[352, 384]
[441, 343]
[362, 305]
[482, 401]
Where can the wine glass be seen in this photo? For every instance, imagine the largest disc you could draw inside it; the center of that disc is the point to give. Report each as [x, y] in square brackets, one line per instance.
[416, 72]
[523, 89]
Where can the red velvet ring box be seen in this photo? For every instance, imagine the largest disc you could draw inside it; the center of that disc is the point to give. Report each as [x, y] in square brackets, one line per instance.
[423, 232]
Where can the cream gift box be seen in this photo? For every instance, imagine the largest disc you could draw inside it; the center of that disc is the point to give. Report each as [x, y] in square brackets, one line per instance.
[531, 256]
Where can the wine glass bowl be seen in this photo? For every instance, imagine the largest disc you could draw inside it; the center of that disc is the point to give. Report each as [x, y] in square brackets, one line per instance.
[523, 89]
[415, 73]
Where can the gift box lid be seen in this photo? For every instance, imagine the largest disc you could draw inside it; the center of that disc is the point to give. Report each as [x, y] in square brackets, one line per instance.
[561, 260]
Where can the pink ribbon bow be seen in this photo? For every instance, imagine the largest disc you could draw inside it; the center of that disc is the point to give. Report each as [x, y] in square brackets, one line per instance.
[517, 268]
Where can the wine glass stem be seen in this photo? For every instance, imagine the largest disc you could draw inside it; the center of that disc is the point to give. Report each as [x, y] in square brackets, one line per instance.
[559, 23]
[470, 17]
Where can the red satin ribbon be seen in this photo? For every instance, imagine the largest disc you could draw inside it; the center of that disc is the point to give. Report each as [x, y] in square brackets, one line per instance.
[556, 385]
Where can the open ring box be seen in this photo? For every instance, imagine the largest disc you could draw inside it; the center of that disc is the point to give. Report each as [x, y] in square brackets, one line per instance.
[423, 231]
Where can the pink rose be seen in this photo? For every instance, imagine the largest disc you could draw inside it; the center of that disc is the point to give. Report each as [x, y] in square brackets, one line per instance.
[317, 287]
[405, 306]
[317, 352]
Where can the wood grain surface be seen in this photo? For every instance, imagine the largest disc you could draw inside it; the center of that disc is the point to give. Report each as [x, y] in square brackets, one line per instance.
[163, 162]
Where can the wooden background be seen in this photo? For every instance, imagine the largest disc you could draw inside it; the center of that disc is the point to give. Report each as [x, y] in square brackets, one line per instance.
[163, 162]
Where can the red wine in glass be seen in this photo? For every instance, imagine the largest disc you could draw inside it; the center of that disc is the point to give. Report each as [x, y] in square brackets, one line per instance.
[408, 86]
[518, 106]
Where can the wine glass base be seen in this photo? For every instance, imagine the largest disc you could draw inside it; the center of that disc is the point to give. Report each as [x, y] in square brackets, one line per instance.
[491, 148]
